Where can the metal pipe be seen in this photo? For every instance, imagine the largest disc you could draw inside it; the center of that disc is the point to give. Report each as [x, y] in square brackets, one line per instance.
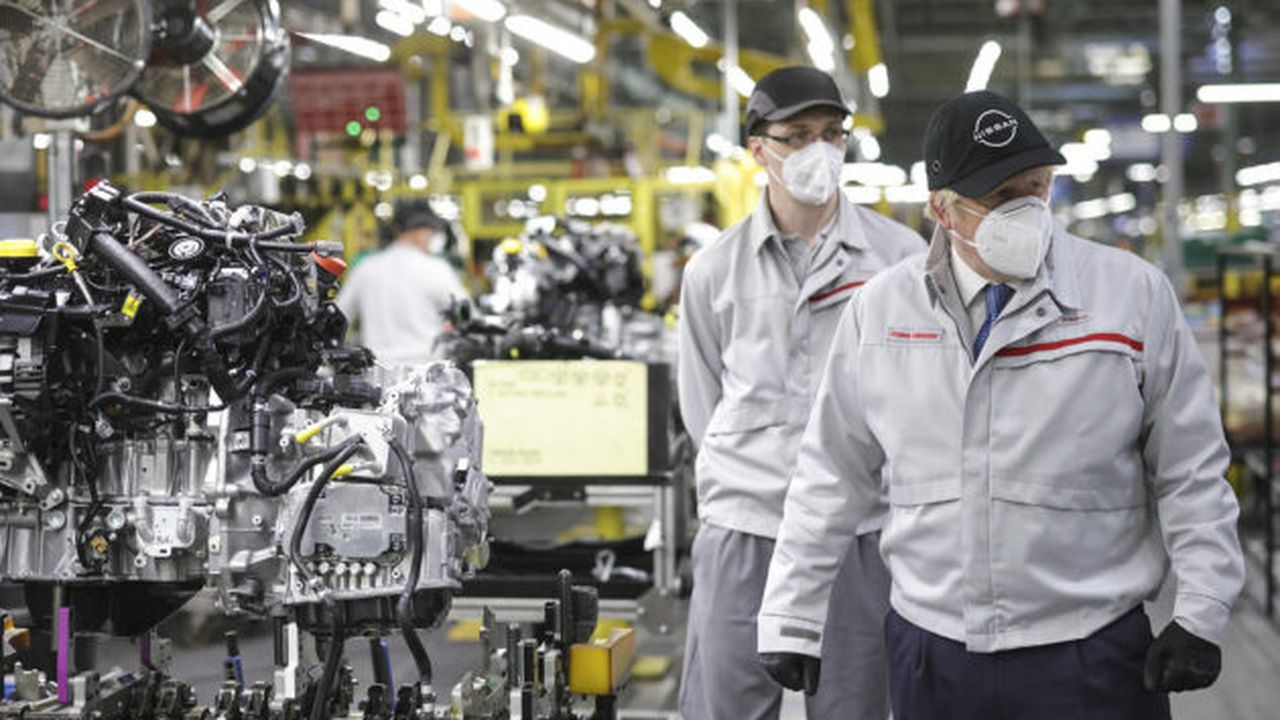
[1171, 142]
[1268, 434]
[61, 178]
[729, 115]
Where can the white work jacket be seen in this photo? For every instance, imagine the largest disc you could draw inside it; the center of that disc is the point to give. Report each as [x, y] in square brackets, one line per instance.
[1038, 491]
[753, 342]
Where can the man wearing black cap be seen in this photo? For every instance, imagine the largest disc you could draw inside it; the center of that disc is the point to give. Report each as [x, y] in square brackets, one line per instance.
[1046, 428]
[396, 298]
[758, 309]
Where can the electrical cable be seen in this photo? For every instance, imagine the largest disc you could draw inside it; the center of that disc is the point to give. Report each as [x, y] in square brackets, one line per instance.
[159, 406]
[313, 494]
[270, 489]
[405, 607]
[140, 207]
[298, 290]
[310, 580]
[95, 502]
[248, 319]
[333, 659]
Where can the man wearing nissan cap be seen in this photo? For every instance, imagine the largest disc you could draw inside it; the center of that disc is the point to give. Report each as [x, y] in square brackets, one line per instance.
[758, 309]
[1048, 436]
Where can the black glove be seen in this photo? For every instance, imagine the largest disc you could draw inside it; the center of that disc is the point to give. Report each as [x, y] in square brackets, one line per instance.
[793, 671]
[1178, 661]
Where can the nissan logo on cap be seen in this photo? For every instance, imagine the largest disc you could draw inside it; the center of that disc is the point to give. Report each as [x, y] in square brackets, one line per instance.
[977, 140]
[995, 129]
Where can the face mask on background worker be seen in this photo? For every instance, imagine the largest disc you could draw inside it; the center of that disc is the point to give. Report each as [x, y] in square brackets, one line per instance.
[1013, 237]
[812, 173]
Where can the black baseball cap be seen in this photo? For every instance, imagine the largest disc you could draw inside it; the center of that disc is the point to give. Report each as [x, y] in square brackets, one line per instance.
[414, 213]
[788, 91]
[979, 140]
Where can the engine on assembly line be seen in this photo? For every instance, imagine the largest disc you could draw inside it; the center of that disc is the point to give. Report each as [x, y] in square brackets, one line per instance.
[564, 289]
[177, 409]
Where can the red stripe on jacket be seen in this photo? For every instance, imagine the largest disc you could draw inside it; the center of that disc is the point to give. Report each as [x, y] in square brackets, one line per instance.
[836, 291]
[1095, 337]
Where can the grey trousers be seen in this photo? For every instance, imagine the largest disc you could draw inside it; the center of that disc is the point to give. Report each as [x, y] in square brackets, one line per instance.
[722, 679]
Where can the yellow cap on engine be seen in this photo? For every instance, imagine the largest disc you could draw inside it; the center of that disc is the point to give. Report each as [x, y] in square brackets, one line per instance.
[17, 248]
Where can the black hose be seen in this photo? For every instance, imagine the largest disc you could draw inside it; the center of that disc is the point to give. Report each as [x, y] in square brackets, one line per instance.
[174, 201]
[231, 237]
[249, 318]
[32, 275]
[136, 270]
[260, 424]
[304, 514]
[405, 607]
[268, 382]
[268, 488]
[296, 297]
[333, 659]
[159, 406]
[320, 702]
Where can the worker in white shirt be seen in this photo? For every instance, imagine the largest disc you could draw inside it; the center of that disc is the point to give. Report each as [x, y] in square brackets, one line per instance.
[1046, 428]
[758, 309]
[396, 297]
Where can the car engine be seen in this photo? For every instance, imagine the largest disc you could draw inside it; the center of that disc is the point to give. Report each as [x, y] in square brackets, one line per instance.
[178, 409]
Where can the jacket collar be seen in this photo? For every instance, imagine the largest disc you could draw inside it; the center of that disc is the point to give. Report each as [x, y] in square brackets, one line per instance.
[1057, 276]
[849, 230]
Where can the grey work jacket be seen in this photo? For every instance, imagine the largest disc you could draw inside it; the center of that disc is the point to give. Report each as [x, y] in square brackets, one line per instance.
[753, 342]
[1038, 491]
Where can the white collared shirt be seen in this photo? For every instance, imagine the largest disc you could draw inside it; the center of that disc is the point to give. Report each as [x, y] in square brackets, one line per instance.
[970, 285]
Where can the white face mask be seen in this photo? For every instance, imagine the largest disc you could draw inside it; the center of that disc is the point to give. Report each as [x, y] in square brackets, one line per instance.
[1013, 237]
[812, 173]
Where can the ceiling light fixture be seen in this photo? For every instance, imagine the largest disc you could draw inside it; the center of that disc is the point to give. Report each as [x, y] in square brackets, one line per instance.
[392, 21]
[983, 65]
[361, 46]
[556, 39]
[1156, 123]
[688, 29]
[487, 10]
[878, 80]
[821, 49]
[1239, 93]
[740, 81]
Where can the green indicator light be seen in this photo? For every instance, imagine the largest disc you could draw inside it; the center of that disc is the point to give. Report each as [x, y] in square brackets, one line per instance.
[353, 128]
[372, 113]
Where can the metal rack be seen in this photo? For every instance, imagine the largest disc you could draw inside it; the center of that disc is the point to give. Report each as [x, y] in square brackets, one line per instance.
[1255, 455]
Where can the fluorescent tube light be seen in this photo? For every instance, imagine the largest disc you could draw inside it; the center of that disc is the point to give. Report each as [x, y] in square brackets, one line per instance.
[983, 65]
[361, 46]
[556, 39]
[688, 29]
[1239, 93]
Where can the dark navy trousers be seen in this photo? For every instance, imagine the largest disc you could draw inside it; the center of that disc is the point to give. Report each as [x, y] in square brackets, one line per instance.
[1097, 678]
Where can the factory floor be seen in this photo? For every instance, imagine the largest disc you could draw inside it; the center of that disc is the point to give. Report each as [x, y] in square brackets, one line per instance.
[1247, 689]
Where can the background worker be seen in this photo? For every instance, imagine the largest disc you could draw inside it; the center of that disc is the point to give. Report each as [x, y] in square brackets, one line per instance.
[758, 309]
[1050, 441]
[396, 297]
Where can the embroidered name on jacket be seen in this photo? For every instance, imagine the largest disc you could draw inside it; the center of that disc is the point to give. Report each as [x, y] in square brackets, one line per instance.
[915, 336]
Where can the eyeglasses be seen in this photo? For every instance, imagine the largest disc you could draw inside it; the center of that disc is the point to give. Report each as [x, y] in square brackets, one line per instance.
[835, 136]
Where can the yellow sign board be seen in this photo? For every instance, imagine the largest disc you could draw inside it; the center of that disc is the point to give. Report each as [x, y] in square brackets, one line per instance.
[564, 418]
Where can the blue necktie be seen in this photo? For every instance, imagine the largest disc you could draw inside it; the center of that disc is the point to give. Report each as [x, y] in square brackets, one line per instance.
[997, 297]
